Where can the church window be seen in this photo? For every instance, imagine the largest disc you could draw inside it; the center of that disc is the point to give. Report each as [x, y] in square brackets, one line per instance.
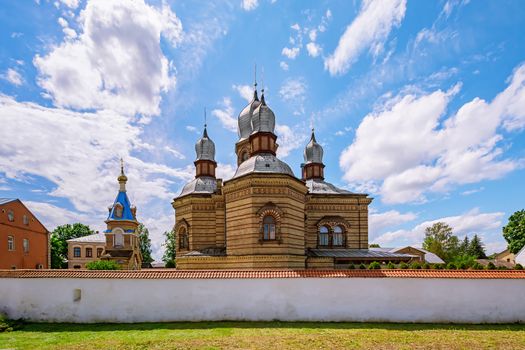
[118, 210]
[244, 156]
[337, 237]
[183, 238]
[323, 236]
[119, 239]
[268, 228]
[99, 252]
[89, 252]
[76, 252]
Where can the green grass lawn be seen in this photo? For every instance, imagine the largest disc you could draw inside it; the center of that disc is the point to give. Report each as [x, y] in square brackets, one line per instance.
[263, 335]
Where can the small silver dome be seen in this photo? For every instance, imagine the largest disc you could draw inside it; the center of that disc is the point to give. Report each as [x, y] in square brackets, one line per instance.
[313, 153]
[205, 148]
[244, 122]
[263, 118]
[200, 185]
[263, 163]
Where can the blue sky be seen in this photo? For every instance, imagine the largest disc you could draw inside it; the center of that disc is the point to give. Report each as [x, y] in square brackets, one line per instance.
[421, 104]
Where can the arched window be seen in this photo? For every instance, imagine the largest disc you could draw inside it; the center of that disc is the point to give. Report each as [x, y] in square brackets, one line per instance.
[323, 236]
[118, 238]
[183, 238]
[244, 156]
[11, 215]
[268, 228]
[118, 210]
[337, 237]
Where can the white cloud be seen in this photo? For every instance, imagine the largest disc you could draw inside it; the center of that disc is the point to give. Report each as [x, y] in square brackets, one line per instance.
[13, 77]
[290, 53]
[284, 66]
[78, 153]
[487, 225]
[104, 68]
[293, 91]
[296, 27]
[52, 216]
[192, 129]
[459, 150]
[249, 5]
[225, 171]
[369, 29]
[313, 49]
[70, 33]
[72, 4]
[225, 115]
[245, 91]
[380, 221]
[175, 153]
[312, 35]
[289, 139]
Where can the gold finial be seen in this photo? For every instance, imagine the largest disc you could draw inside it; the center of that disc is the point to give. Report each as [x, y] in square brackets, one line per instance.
[122, 178]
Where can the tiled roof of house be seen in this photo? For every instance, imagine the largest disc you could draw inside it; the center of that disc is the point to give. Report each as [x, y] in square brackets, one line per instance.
[239, 274]
[95, 238]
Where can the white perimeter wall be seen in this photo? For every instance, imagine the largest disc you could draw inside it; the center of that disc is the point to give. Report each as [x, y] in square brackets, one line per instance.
[305, 299]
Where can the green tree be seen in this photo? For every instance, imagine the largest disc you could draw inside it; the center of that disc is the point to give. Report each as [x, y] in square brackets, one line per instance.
[464, 246]
[102, 265]
[477, 248]
[145, 244]
[514, 232]
[58, 242]
[170, 246]
[440, 240]
[374, 245]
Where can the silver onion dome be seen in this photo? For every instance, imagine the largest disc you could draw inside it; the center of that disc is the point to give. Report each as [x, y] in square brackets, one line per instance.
[263, 118]
[244, 122]
[205, 148]
[313, 152]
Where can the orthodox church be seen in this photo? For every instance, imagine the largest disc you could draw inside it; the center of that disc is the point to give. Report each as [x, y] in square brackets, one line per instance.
[264, 217]
[119, 242]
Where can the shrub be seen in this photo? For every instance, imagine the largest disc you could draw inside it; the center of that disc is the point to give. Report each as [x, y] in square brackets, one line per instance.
[351, 267]
[491, 266]
[438, 266]
[403, 266]
[7, 325]
[502, 268]
[374, 265]
[518, 267]
[477, 266]
[362, 266]
[391, 265]
[451, 266]
[415, 265]
[170, 264]
[102, 265]
[462, 265]
[425, 266]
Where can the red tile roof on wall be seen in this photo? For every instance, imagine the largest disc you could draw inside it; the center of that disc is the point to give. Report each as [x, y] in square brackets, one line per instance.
[245, 274]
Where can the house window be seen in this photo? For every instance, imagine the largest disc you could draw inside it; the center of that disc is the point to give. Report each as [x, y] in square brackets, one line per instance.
[26, 220]
[183, 238]
[337, 237]
[10, 243]
[99, 252]
[89, 252]
[25, 244]
[11, 215]
[268, 228]
[323, 236]
[76, 252]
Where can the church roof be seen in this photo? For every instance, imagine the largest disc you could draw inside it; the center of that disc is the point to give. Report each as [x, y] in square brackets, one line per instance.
[358, 254]
[202, 185]
[95, 238]
[123, 199]
[318, 186]
[263, 163]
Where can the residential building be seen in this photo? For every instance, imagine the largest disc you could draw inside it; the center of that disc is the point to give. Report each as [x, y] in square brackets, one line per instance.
[24, 240]
[85, 249]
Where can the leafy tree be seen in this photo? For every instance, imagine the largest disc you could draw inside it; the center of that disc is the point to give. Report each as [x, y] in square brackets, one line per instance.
[102, 265]
[58, 242]
[170, 245]
[476, 248]
[440, 240]
[145, 244]
[374, 265]
[514, 232]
